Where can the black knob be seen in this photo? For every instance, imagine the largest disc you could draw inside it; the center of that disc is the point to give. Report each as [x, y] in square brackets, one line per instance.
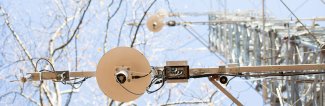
[223, 79]
[120, 78]
[171, 23]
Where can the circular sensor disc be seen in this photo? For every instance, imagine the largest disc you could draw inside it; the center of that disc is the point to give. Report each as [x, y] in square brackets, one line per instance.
[123, 57]
[155, 23]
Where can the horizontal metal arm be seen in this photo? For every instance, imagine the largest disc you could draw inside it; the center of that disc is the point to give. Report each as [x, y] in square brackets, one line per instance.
[193, 71]
[256, 69]
[59, 75]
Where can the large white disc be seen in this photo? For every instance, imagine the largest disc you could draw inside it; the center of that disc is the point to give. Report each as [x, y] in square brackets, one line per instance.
[106, 70]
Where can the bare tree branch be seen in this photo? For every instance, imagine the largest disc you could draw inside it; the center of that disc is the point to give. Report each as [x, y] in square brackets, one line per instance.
[121, 28]
[40, 95]
[108, 20]
[6, 18]
[138, 27]
[27, 54]
[75, 31]
[76, 52]
[47, 94]
[57, 33]
[21, 94]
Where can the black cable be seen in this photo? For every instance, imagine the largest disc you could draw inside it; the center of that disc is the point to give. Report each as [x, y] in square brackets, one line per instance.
[53, 70]
[79, 82]
[130, 91]
[76, 82]
[154, 81]
[301, 23]
[230, 80]
[63, 82]
[137, 77]
[160, 78]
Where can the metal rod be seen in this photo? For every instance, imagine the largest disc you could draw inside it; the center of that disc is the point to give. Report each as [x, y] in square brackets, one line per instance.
[258, 69]
[223, 90]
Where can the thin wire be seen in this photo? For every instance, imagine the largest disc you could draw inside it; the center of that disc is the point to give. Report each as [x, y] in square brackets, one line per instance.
[301, 23]
[301, 5]
[202, 42]
[230, 80]
[196, 37]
